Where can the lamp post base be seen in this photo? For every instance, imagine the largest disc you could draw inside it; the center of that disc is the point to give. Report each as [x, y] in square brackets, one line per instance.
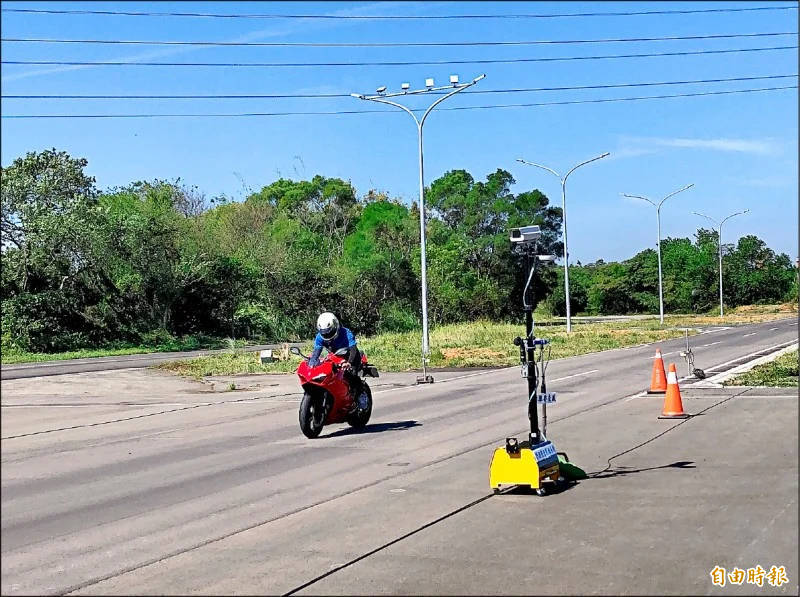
[425, 378]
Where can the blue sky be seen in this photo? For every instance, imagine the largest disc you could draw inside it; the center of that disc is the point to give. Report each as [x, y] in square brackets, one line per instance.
[739, 150]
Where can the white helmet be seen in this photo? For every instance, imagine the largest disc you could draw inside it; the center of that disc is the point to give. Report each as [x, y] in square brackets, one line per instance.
[328, 326]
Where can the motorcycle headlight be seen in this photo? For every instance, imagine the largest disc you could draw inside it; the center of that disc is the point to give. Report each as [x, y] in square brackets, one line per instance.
[319, 377]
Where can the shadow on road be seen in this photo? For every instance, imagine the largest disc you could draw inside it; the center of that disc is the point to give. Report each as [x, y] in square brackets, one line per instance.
[615, 472]
[551, 489]
[624, 470]
[376, 428]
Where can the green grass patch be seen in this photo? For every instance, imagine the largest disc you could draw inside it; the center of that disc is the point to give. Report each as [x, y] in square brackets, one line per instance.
[479, 344]
[782, 372]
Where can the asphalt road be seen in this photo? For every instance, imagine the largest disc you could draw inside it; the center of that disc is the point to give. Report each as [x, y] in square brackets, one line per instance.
[126, 361]
[136, 482]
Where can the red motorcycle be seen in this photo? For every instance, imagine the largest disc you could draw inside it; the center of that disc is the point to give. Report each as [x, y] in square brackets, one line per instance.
[327, 398]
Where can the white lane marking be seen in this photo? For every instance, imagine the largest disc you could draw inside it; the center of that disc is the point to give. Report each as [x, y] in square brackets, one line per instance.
[712, 330]
[750, 334]
[415, 386]
[233, 402]
[772, 329]
[773, 353]
[663, 354]
[752, 354]
[712, 344]
[713, 367]
[412, 386]
[575, 375]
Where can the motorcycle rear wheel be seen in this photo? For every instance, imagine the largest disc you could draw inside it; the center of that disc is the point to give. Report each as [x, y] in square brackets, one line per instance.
[311, 415]
[360, 417]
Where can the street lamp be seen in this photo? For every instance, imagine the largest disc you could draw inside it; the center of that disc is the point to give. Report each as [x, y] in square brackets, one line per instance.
[564, 220]
[381, 97]
[658, 217]
[719, 242]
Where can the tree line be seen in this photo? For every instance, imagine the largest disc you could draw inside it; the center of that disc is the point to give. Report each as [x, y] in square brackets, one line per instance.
[157, 260]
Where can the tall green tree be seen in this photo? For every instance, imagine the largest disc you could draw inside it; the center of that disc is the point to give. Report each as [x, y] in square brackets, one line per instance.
[473, 271]
[47, 218]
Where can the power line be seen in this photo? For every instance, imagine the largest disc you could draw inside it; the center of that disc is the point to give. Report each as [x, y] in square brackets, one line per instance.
[347, 95]
[398, 63]
[342, 112]
[392, 17]
[385, 44]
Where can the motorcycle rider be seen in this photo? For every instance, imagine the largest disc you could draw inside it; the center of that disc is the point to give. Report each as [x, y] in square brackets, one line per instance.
[334, 336]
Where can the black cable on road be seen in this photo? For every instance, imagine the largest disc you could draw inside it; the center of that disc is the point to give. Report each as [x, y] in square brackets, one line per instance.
[305, 44]
[388, 63]
[347, 95]
[486, 497]
[389, 544]
[655, 437]
[395, 17]
[206, 542]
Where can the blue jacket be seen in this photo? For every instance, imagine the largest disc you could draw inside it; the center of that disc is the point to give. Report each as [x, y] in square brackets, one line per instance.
[344, 339]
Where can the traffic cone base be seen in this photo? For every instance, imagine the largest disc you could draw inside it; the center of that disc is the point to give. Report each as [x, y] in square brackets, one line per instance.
[658, 380]
[673, 406]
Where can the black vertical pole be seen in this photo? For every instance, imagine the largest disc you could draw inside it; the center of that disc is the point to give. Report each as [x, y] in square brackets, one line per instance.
[533, 410]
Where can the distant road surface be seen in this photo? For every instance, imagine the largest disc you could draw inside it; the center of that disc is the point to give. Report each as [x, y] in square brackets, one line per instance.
[127, 361]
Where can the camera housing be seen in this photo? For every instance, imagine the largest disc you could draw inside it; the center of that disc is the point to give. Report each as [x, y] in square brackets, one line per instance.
[525, 234]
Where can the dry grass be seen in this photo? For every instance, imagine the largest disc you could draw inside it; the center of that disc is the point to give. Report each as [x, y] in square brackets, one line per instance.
[739, 315]
[489, 344]
[479, 344]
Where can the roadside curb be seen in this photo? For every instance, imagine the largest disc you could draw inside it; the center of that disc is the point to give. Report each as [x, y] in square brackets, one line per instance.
[717, 380]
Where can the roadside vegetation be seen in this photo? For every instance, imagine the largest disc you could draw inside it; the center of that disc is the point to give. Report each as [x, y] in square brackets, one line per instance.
[11, 355]
[782, 372]
[136, 267]
[479, 344]
[238, 360]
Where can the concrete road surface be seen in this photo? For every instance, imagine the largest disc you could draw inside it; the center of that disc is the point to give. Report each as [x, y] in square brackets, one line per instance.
[136, 482]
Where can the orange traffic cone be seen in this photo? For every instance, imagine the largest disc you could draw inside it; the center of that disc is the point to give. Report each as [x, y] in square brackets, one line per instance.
[673, 407]
[658, 381]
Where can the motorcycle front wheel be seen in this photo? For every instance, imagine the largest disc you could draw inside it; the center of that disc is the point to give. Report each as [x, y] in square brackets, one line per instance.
[360, 417]
[311, 415]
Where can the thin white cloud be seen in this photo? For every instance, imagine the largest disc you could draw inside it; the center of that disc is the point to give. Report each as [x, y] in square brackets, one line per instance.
[631, 152]
[636, 146]
[764, 182]
[738, 145]
[305, 25]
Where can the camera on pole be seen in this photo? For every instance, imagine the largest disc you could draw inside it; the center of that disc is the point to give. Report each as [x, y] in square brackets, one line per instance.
[533, 462]
[526, 235]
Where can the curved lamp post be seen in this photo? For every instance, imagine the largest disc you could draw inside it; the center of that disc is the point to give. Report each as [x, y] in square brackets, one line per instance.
[382, 98]
[719, 242]
[563, 180]
[658, 217]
